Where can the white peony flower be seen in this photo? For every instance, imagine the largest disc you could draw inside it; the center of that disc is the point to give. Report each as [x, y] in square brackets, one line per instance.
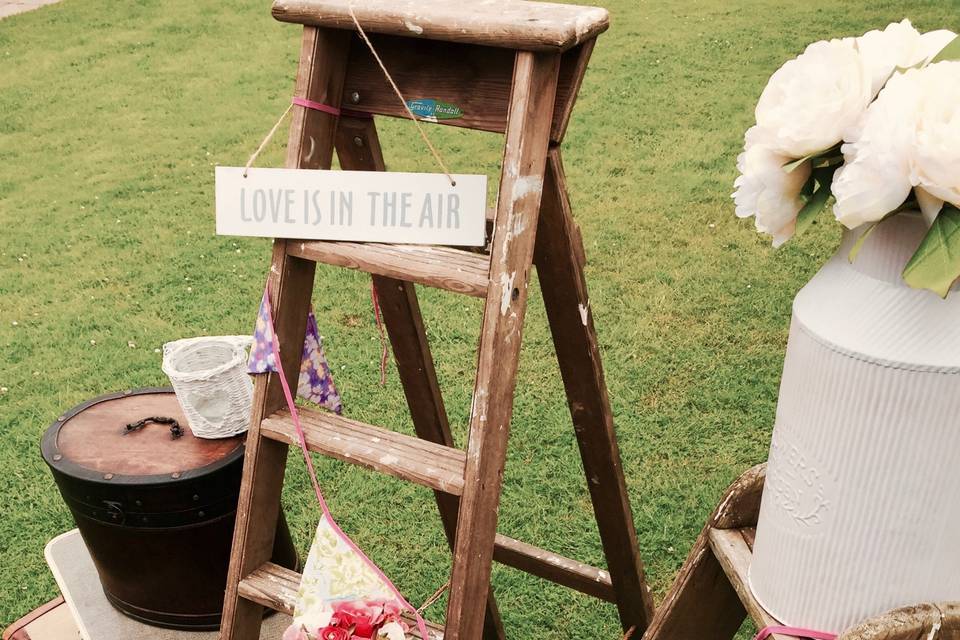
[899, 45]
[910, 138]
[936, 158]
[812, 101]
[392, 631]
[766, 191]
[317, 616]
[866, 191]
[875, 177]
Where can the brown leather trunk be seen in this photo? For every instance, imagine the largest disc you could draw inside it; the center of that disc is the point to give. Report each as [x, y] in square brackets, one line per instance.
[156, 511]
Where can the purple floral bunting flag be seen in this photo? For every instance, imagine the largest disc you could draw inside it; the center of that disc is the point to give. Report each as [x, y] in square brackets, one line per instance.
[316, 382]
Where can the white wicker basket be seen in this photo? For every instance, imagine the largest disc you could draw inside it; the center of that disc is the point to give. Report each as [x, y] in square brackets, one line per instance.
[209, 376]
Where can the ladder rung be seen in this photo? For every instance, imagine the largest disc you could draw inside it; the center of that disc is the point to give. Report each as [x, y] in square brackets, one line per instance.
[443, 267]
[550, 566]
[406, 457]
[276, 588]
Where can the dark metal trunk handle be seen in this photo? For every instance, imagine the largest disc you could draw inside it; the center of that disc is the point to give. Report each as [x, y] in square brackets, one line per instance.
[175, 429]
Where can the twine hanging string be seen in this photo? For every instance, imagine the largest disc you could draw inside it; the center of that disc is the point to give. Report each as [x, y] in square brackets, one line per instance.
[384, 351]
[436, 596]
[403, 101]
[266, 141]
[335, 111]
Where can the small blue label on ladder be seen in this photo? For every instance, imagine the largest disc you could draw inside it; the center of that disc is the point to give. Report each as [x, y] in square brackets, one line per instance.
[433, 110]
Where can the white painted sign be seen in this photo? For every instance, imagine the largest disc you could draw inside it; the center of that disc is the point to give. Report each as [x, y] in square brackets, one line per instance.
[366, 206]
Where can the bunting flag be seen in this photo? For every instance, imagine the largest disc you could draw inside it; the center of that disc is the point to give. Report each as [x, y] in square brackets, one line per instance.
[316, 381]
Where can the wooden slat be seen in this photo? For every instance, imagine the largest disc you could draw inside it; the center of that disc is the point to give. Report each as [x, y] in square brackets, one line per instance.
[275, 587]
[532, 26]
[731, 550]
[553, 567]
[476, 79]
[443, 267]
[521, 185]
[567, 303]
[396, 454]
[358, 147]
[320, 78]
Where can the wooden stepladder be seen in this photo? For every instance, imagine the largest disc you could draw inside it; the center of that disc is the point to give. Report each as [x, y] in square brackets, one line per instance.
[512, 68]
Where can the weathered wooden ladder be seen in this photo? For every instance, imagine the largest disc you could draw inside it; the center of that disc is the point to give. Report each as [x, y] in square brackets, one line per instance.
[513, 68]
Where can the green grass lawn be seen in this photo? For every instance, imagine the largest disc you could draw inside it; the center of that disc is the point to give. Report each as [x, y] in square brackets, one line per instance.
[112, 117]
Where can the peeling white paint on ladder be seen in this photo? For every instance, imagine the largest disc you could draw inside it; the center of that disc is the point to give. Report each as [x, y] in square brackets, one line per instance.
[527, 185]
[506, 284]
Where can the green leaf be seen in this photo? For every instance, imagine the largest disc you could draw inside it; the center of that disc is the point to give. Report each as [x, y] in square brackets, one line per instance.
[807, 190]
[855, 249]
[825, 154]
[949, 52]
[816, 204]
[793, 164]
[936, 264]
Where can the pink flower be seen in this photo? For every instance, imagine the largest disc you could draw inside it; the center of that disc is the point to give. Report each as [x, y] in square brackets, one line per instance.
[360, 616]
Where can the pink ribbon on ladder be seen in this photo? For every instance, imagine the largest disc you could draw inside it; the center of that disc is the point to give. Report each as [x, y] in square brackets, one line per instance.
[793, 632]
[302, 440]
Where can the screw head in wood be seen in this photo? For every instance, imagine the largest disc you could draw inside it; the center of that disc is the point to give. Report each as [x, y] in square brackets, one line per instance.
[57, 458]
[175, 475]
[355, 97]
[358, 141]
[108, 476]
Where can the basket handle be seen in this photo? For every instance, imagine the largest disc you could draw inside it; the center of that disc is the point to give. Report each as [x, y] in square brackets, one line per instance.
[237, 342]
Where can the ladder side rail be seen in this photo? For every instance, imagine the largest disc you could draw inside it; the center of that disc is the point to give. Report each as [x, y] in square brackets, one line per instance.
[319, 78]
[521, 184]
[567, 304]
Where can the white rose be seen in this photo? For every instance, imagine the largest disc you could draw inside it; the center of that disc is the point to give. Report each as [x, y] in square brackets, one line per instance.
[875, 177]
[936, 158]
[899, 45]
[812, 101]
[766, 191]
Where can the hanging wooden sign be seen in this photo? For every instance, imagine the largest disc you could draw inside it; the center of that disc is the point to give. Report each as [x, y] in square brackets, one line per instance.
[365, 206]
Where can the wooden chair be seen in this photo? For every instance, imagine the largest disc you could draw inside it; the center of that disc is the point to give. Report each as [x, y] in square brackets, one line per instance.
[710, 597]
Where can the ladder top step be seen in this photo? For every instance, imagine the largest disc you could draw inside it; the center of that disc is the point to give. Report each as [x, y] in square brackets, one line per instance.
[511, 24]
